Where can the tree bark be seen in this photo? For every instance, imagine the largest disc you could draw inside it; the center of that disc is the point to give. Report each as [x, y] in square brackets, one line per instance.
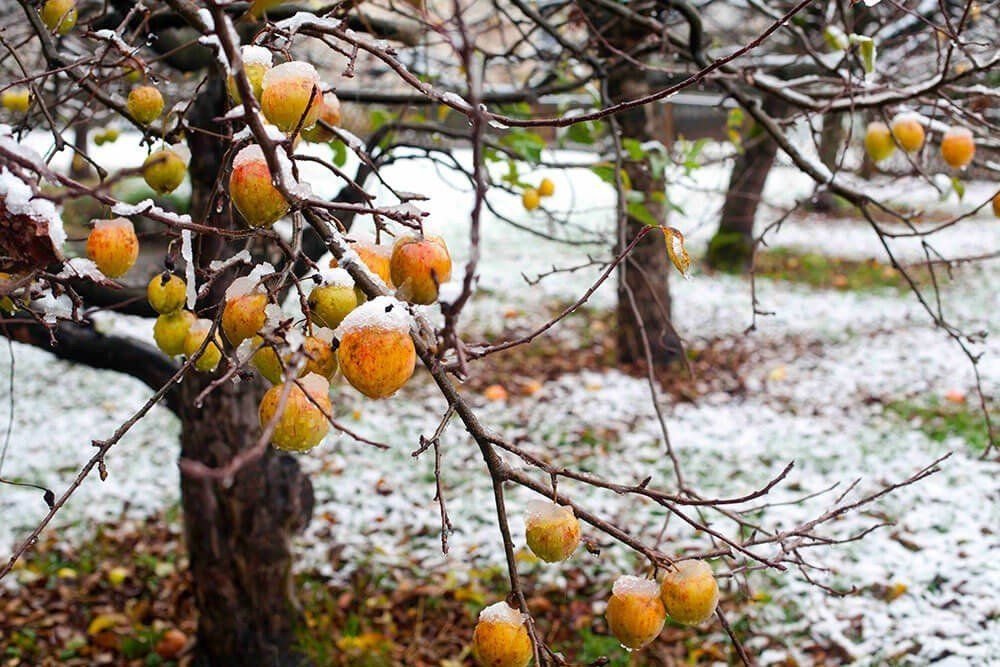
[831, 145]
[731, 248]
[238, 535]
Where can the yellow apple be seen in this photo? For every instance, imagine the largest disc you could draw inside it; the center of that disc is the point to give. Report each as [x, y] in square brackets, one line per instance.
[166, 292]
[212, 354]
[908, 132]
[164, 170]
[689, 592]
[501, 638]
[59, 16]
[145, 104]
[171, 330]
[878, 141]
[635, 612]
[303, 422]
[958, 147]
[552, 531]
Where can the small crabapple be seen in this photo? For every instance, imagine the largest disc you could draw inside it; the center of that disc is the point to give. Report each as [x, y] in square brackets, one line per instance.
[164, 170]
[374, 256]
[113, 246]
[376, 353]
[635, 612]
[878, 141]
[17, 100]
[329, 113]
[290, 95]
[320, 357]
[501, 638]
[552, 531]
[171, 644]
[996, 204]
[331, 301]
[212, 353]
[689, 592]
[266, 361]
[171, 329]
[59, 16]
[166, 292]
[303, 422]
[530, 199]
[418, 266]
[958, 147]
[256, 62]
[145, 104]
[244, 314]
[908, 132]
[546, 188]
[252, 191]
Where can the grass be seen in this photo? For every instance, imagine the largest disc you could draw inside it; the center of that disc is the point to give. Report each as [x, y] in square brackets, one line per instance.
[825, 272]
[942, 420]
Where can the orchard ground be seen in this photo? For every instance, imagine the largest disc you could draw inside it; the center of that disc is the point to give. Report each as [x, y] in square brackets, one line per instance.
[848, 378]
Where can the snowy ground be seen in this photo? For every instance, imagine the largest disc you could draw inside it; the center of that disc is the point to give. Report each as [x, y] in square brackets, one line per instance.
[376, 509]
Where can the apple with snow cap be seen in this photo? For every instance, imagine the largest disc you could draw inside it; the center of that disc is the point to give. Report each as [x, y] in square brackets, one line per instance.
[196, 336]
[375, 257]
[501, 638]
[59, 16]
[145, 104]
[244, 313]
[164, 170]
[290, 97]
[958, 147]
[329, 113]
[166, 292]
[302, 423]
[908, 131]
[332, 300]
[552, 531]
[256, 62]
[113, 246]
[376, 353]
[252, 189]
[635, 613]
[171, 330]
[418, 266]
[689, 592]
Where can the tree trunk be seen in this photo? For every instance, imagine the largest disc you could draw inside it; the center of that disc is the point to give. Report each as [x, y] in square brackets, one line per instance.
[238, 535]
[831, 146]
[643, 292]
[731, 249]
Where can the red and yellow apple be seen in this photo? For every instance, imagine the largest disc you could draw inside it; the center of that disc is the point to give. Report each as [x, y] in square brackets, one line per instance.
[635, 613]
[552, 531]
[290, 96]
[252, 190]
[418, 266]
[302, 423]
[329, 113]
[376, 353]
[689, 592]
[113, 246]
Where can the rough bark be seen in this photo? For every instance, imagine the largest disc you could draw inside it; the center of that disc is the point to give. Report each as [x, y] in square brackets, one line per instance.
[831, 146]
[238, 535]
[731, 248]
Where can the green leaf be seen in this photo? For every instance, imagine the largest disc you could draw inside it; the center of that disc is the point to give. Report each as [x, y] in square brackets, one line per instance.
[866, 50]
[527, 145]
[634, 149]
[835, 38]
[581, 133]
[606, 172]
[638, 211]
[958, 186]
[339, 152]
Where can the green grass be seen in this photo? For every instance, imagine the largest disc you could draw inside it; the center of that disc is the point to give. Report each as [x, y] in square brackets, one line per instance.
[941, 420]
[824, 272]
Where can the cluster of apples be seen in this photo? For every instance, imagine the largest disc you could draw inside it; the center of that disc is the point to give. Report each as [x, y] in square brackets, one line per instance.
[957, 144]
[531, 198]
[636, 613]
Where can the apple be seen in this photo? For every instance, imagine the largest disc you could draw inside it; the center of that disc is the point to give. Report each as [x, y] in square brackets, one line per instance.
[7, 304]
[958, 147]
[878, 141]
[552, 531]
[635, 613]
[113, 246]
[530, 199]
[501, 638]
[244, 314]
[331, 300]
[17, 100]
[164, 170]
[171, 330]
[166, 292]
[418, 266]
[145, 104]
[908, 132]
[689, 592]
[546, 188]
[171, 644]
[303, 423]
[59, 16]
[256, 61]
[329, 113]
[376, 353]
[211, 355]
[252, 189]
[996, 204]
[374, 256]
[290, 95]
[321, 358]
